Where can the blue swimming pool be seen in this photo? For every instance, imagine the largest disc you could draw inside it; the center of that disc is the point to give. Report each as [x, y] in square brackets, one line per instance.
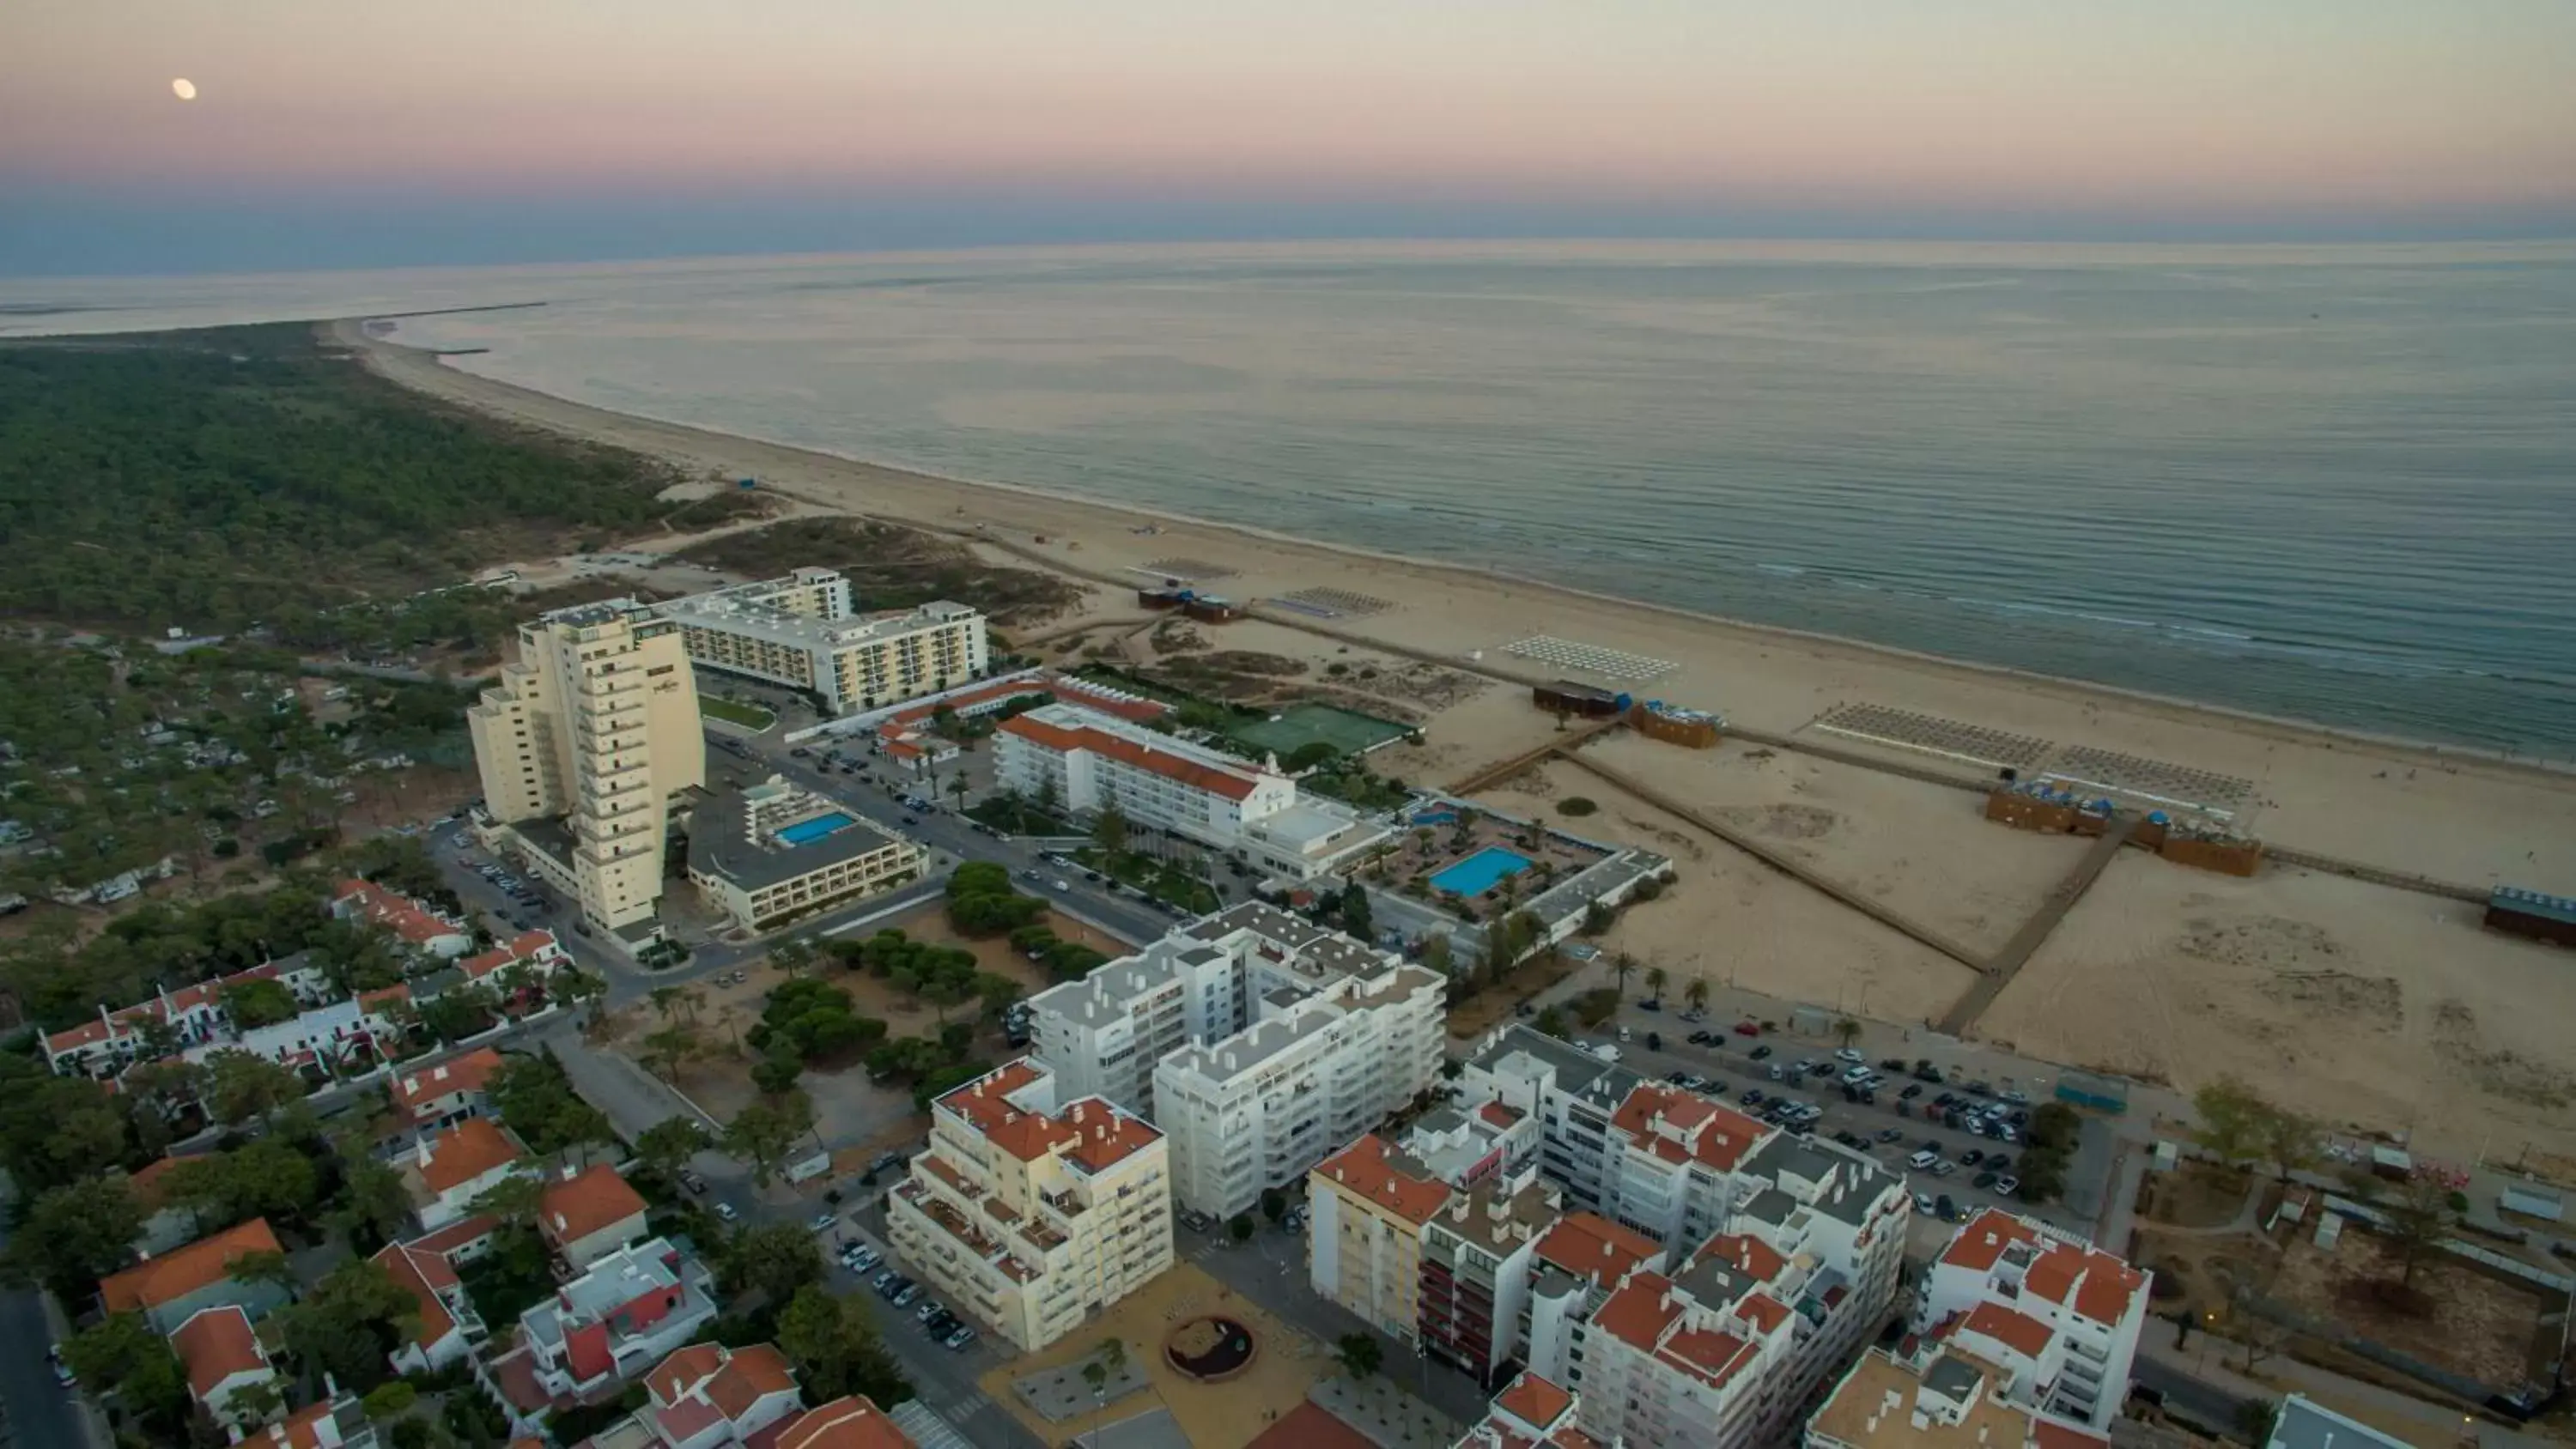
[806, 832]
[1477, 873]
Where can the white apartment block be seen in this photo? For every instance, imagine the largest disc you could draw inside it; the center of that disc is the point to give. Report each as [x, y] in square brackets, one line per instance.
[1950, 1401]
[1088, 762]
[582, 746]
[1726, 1351]
[801, 631]
[1570, 1092]
[1578, 1264]
[1104, 1035]
[1318, 1067]
[1033, 1213]
[2057, 1318]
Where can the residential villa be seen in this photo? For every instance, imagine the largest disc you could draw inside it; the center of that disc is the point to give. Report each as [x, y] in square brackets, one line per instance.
[171, 1289]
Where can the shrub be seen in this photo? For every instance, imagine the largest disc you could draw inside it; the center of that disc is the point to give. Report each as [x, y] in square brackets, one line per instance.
[1575, 805]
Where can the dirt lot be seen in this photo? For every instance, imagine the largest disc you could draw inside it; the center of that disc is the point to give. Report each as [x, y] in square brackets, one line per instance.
[1492, 1006]
[2477, 1324]
[1213, 1416]
[1736, 922]
[2359, 1005]
[2194, 1196]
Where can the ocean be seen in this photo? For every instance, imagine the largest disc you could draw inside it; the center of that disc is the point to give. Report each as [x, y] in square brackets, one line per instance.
[2329, 485]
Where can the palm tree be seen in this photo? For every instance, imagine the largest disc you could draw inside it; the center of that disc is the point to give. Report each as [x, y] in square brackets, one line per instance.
[1845, 1030]
[1696, 994]
[957, 788]
[1623, 963]
[666, 999]
[1656, 978]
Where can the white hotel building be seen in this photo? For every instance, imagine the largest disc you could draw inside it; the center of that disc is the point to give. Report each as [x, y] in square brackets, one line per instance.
[1105, 1034]
[801, 631]
[1088, 761]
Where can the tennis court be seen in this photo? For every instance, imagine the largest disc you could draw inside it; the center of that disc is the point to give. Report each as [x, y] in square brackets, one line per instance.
[1303, 724]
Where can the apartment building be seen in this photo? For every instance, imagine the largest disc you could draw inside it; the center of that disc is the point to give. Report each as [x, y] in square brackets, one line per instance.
[1317, 1067]
[1950, 1401]
[803, 632]
[2056, 1318]
[1103, 1035]
[1366, 1208]
[777, 852]
[582, 745]
[1532, 1413]
[1671, 1159]
[1577, 1265]
[1030, 1211]
[1728, 1349]
[1089, 761]
[1570, 1092]
[1478, 1254]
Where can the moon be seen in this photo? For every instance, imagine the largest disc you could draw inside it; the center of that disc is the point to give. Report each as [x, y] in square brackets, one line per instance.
[184, 88]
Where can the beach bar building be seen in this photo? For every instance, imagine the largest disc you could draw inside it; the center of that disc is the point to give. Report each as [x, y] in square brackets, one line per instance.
[1564, 696]
[2529, 913]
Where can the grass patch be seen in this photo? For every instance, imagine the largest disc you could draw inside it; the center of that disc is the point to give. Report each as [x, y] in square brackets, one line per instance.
[749, 716]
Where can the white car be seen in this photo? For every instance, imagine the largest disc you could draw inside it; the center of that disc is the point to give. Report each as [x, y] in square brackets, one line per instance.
[823, 1222]
[1850, 1054]
[1922, 1161]
[725, 1211]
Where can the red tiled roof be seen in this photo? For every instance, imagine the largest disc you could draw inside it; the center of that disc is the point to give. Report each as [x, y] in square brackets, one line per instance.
[1311, 1426]
[751, 1374]
[416, 1088]
[1534, 1401]
[1639, 1312]
[1500, 1114]
[403, 917]
[2045, 1434]
[2010, 1327]
[1763, 1311]
[1165, 763]
[1018, 1131]
[598, 1198]
[215, 1344]
[1981, 1243]
[1709, 1133]
[458, 1235]
[145, 1182]
[177, 1274]
[1591, 1246]
[300, 1430]
[465, 1152]
[1105, 1136]
[1712, 1355]
[848, 1423]
[1366, 1171]
[422, 1274]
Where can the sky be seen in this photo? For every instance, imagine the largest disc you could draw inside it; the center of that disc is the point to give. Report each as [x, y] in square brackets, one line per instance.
[348, 133]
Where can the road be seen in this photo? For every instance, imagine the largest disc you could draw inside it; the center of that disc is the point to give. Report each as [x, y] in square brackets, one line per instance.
[38, 1410]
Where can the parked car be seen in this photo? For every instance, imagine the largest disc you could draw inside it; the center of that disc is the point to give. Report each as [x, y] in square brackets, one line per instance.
[1922, 1160]
[930, 1308]
[884, 1280]
[1747, 1028]
[1704, 1038]
[1944, 1168]
[1984, 1180]
[694, 1183]
[958, 1339]
[1758, 1053]
[1912, 1091]
[823, 1222]
[1651, 1003]
[1944, 1209]
[1852, 1055]
[62, 1371]
[2007, 1184]
[904, 1295]
[1923, 1202]
[725, 1211]
[1891, 1134]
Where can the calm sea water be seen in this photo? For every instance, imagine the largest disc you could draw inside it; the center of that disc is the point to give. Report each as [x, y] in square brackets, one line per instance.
[2332, 486]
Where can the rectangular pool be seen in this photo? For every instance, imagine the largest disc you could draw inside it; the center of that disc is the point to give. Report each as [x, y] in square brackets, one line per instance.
[1477, 873]
[806, 832]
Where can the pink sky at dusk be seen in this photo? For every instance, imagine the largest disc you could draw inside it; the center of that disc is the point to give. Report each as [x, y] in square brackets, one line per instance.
[1861, 107]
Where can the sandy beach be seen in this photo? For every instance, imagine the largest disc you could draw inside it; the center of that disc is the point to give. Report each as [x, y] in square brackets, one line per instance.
[2137, 977]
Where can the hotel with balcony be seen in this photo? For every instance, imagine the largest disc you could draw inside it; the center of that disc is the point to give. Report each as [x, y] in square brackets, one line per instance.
[2055, 1318]
[1318, 1067]
[1089, 761]
[801, 631]
[582, 746]
[776, 853]
[1105, 1034]
[1030, 1212]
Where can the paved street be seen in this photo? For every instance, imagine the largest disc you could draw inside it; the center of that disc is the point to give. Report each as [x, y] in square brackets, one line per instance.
[38, 1410]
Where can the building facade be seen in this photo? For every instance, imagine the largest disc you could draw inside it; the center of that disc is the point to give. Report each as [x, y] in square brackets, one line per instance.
[606, 1327]
[776, 853]
[1030, 1212]
[801, 631]
[1366, 1208]
[1570, 1092]
[1478, 1252]
[2056, 1317]
[1105, 1034]
[592, 731]
[1087, 762]
[1946, 1401]
[1318, 1067]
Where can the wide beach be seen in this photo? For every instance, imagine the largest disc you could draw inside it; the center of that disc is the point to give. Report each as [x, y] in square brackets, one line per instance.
[2465, 1056]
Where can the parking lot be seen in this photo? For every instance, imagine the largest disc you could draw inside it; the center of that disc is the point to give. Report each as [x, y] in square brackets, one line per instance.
[1902, 1116]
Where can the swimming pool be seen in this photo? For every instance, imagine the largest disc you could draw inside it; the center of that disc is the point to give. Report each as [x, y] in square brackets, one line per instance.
[1477, 873]
[806, 832]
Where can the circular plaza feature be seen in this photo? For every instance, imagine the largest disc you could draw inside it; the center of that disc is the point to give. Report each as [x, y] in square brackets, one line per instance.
[1210, 1349]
